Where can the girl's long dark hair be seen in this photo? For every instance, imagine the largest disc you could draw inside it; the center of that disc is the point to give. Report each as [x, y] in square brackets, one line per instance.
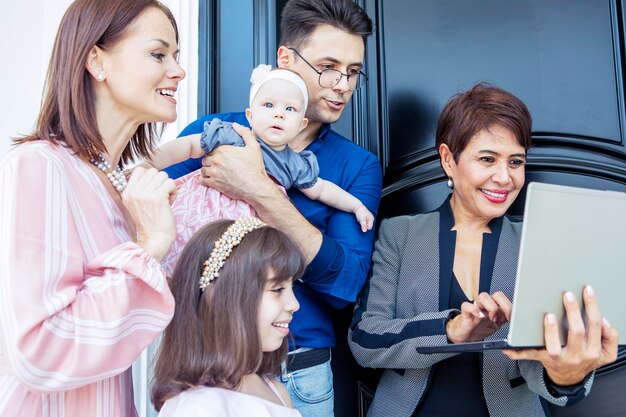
[213, 338]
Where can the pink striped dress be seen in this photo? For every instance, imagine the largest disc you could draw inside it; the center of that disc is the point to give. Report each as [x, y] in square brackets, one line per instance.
[79, 300]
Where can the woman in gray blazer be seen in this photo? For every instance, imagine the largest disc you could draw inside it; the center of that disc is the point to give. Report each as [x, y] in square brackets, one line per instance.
[447, 277]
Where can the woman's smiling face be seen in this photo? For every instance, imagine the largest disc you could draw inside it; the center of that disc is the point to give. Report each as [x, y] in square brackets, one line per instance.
[142, 72]
[488, 175]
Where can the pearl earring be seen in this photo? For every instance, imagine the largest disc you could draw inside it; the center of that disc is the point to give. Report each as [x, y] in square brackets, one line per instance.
[100, 76]
[450, 182]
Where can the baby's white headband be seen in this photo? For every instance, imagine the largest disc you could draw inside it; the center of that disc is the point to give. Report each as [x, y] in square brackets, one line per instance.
[263, 73]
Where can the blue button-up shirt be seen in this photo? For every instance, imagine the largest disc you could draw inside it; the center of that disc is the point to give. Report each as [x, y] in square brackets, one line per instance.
[336, 275]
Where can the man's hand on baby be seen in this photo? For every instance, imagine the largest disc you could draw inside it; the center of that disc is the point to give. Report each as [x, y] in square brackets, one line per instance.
[236, 171]
[364, 217]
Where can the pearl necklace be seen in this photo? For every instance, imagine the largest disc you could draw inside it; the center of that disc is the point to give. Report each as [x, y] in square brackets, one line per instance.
[117, 177]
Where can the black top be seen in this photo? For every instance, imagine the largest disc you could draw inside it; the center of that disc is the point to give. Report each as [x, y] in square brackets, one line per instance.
[455, 387]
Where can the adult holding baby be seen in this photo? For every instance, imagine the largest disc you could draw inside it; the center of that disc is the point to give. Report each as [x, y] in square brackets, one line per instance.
[324, 42]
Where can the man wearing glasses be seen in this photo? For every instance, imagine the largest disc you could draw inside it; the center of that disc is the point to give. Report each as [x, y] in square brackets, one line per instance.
[324, 42]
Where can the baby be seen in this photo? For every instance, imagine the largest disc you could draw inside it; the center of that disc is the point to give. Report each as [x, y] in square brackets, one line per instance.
[278, 102]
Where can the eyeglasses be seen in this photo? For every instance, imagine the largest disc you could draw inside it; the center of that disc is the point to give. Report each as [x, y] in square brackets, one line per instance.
[329, 78]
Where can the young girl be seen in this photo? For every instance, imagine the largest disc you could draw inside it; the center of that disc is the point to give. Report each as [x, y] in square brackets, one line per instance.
[278, 102]
[225, 345]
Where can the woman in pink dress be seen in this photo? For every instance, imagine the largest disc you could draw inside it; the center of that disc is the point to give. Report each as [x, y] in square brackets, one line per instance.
[234, 303]
[82, 292]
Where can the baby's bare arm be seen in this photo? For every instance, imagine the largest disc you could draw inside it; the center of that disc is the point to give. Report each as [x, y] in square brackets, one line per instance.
[332, 195]
[176, 151]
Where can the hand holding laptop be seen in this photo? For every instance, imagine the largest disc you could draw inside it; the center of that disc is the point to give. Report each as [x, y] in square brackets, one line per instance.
[587, 348]
[479, 319]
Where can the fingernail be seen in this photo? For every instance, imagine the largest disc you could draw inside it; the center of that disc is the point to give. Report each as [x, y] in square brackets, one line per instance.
[481, 314]
[495, 319]
[606, 322]
[551, 318]
[589, 290]
[569, 297]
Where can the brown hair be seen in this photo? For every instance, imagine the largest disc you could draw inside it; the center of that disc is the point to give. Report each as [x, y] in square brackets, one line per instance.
[68, 112]
[213, 338]
[300, 18]
[478, 109]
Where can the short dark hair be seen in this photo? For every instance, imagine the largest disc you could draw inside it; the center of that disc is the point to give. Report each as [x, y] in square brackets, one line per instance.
[480, 108]
[213, 338]
[68, 112]
[300, 18]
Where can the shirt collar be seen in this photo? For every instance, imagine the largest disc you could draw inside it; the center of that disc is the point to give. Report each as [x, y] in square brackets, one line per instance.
[321, 137]
[323, 131]
[447, 218]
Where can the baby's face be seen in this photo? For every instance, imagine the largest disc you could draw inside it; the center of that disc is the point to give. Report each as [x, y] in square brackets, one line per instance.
[277, 113]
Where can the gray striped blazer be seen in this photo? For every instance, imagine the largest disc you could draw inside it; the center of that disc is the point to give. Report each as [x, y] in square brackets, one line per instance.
[400, 308]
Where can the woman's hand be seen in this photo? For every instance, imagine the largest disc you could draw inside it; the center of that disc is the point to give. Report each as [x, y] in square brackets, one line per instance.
[147, 198]
[586, 349]
[480, 319]
[129, 171]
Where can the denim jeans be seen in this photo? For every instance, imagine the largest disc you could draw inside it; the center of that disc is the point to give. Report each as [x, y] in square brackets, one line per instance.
[311, 389]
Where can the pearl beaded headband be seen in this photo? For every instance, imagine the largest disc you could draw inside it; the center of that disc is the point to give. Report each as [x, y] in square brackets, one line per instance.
[224, 246]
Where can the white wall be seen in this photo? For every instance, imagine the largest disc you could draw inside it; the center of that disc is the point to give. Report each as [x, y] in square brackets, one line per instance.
[27, 30]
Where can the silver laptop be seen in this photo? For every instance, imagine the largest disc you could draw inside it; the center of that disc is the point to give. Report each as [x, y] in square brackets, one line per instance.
[571, 237]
